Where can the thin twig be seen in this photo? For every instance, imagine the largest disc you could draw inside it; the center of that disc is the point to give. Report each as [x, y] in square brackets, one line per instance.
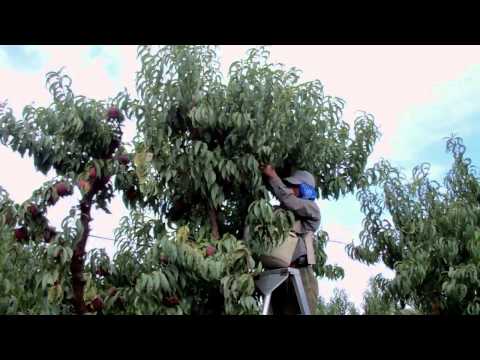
[105, 238]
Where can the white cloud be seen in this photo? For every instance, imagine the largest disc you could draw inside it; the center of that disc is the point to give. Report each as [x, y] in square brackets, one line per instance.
[454, 110]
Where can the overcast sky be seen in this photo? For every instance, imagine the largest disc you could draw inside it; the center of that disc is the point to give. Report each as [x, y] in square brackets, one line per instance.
[418, 95]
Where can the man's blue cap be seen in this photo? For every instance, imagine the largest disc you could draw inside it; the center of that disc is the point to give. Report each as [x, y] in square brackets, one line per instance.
[301, 177]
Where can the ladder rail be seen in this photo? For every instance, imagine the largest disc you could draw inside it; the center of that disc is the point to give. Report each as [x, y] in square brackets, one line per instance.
[300, 292]
[270, 280]
[266, 304]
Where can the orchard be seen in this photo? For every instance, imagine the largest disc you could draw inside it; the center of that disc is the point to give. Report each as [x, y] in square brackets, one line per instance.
[192, 184]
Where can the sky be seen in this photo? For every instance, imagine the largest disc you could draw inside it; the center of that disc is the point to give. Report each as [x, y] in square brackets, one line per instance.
[417, 94]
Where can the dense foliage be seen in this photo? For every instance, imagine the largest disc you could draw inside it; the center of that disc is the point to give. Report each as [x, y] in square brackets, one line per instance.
[192, 183]
[428, 233]
[339, 304]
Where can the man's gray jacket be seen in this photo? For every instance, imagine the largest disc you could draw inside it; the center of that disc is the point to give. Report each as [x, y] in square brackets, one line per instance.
[306, 211]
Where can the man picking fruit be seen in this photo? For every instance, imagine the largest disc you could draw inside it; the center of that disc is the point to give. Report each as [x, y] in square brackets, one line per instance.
[297, 193]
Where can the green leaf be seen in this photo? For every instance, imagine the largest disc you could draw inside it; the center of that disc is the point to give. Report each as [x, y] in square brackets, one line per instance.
[164, 283]
[196, 147]
[156, 281]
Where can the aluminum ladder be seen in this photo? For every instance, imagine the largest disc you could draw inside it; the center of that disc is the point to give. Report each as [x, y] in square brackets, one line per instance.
[268, 281]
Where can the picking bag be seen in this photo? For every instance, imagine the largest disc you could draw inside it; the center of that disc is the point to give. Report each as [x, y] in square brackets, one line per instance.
[283, 255]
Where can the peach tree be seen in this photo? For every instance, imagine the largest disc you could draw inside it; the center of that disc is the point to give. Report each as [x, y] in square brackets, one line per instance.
[376, 302]
[339, 304]
[80, 139]
[427, 233]
[201, 141]
[191, 183]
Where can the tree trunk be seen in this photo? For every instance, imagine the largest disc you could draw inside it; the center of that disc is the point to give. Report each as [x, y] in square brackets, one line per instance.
[436, 308]
[214, 223]
[77, 263]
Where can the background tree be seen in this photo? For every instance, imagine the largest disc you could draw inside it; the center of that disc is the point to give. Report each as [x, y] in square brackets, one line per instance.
[377, 302]
[431, 237]
[192, 182]
[339, 304]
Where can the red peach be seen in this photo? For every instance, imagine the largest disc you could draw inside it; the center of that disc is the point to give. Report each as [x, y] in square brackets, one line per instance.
[211, 250]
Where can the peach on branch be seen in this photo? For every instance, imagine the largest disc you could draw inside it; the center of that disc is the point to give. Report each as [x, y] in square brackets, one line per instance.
[211, 250]
[33, 210]
[132, 193]
[123, 159]
[62, 189]
[92, 174]
[97, 303]
[49, 233]
[172, 301]
[21, 233]
[114, 113]
[84, 185]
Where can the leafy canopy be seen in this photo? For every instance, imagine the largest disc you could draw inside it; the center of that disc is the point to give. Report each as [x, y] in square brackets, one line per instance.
[192, 183]
[428, 233]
